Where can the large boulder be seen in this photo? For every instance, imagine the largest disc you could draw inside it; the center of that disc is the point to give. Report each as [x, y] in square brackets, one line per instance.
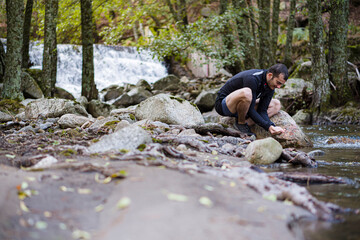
[168, 83]
[62, 93]
[139, 94]
[4, 117]
[29, 86]
[72, 121]
[123, 101]
[293, 136]
[168, 109]
[112, 92]
[206, 100]
[53, 108]
[302, 117]
[126, 138]
[97, 108]
[303, 71]
[264, 151]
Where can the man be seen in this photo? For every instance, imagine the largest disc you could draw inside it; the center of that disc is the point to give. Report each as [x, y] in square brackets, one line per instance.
[247, 96]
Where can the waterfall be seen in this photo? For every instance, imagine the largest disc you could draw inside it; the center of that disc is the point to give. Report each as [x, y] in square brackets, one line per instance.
[113, 66]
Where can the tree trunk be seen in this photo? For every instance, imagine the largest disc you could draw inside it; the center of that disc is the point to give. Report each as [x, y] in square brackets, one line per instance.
[26, 34]
[244, 32]
[223, 6]
[265, 58]
[12, 77]
[2, 62]
[338, 26]
[289, 34]
[275, 28]
[88, 87]
[50, 49]
[254, 33]
[319, 70]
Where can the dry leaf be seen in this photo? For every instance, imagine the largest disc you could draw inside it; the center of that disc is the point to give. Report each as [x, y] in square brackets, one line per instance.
[123, 203]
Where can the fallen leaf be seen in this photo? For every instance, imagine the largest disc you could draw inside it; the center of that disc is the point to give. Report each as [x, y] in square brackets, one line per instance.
[79, 234]
[10, 156]
[41, 225]
[214, 152]
[288, 202]
[84, 191]
[206, 202]
[105, 181]
[47, 214]
[66, 189]
[70, 160]
[232, 184]
[123, 203]
[271, 197]
[99, 208]
[62, 226]
[261, 209]
[31, 179]
[177, 197]
[209, 188]
[23, 207]
[24, 185]
[119, 174]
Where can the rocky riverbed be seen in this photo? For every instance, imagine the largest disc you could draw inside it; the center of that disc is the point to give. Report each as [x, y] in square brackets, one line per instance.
[155, 171]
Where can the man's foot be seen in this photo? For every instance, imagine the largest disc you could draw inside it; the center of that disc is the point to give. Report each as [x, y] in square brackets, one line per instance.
[244, 128]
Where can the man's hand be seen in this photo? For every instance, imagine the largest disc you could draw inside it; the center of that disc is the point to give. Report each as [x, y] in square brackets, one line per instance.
[276, 130]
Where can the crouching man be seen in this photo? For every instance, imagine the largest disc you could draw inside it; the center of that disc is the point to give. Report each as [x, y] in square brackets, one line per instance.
[247, 96]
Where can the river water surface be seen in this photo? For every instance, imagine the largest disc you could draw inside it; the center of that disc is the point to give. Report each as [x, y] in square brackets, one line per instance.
[340, 160]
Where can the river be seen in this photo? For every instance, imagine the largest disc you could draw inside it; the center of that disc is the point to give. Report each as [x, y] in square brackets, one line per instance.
[339, 160]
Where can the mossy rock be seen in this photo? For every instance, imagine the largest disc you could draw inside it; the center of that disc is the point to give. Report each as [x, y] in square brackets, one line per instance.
[36, 75]
[303, 71]
[10, 106]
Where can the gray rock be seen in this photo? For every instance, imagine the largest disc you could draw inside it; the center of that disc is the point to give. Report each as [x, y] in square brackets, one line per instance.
[302, 117]
[62, 93]
[4, 117]
[206, 100]
[122, 124]
[46, 125]
[53, 108]
[97, 108]
[72, 121]
[170, 110]
[83, 101]
[293, 136]
[101, 122]
[139, 94]
[293, 88]
[303, 71]
[127, 114]
[143, 84]
[315, 153]
[123, 101]
[30, 87]
[264, 151]
[112, 92]
[168, 83]
[127, 138]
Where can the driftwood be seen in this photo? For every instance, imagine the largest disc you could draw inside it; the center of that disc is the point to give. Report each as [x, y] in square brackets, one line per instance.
[295, 157]
[307, 178]
[217, 128]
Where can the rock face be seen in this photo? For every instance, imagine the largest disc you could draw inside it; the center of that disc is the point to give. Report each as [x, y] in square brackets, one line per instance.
[62, 93]
[29, 86]
[4, 117]
[168, 83]
[53, 108]
[293, 136]
[302, 71]
[72, 121]
[264, 151]
[170, 110]
[206, 100]
[127, 138]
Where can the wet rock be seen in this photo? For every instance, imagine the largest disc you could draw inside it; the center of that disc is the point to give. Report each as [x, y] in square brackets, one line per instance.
[168, 83]
[127, 138]
[4, 117]
[206, 100]
[53, 108]
[30, 87]
[342, 140]
[302, 117]
[72, 121]
[264, 151]
[316, 153]
[97, 108]
[170, 110]
[62, 93]
[293, 136]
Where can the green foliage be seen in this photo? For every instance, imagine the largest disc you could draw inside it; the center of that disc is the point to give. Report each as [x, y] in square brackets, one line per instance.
[208, 36]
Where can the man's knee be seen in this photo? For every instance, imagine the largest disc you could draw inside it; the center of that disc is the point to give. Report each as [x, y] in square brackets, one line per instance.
[241, 95]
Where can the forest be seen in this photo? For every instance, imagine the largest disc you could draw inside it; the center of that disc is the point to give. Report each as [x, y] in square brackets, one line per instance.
[234, 35]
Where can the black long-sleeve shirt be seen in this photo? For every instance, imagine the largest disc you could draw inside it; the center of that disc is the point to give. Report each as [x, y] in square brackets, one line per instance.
[254, 79]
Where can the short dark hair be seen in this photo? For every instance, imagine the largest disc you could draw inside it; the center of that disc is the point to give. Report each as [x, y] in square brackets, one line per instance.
[278, 69]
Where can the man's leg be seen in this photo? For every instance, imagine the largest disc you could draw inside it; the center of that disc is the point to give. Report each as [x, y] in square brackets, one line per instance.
[274, 108]
[239, 102]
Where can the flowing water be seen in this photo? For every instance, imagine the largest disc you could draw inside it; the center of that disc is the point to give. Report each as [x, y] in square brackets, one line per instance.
[340, 160]
[114, 65]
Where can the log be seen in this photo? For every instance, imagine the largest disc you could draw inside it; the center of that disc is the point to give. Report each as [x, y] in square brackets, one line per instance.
[307, 178]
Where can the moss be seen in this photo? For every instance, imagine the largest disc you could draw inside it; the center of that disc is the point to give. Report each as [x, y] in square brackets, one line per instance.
[112, 123]
[124, 151]
[132, 117]
[156, 140]
[224, 125]
[180, 100]
[141, 147]
[95, 140]
[10, 106]
[195, 106]
[205, 141]
[68, 152]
